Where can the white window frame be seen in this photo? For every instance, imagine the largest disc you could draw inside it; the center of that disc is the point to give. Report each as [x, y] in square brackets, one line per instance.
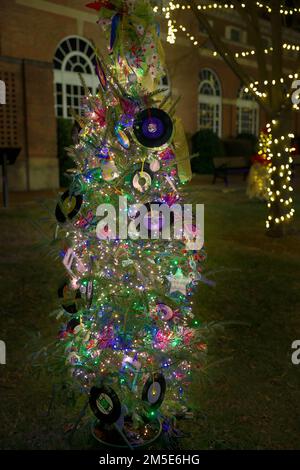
[214, 100]
[247, 101]
[65, 77]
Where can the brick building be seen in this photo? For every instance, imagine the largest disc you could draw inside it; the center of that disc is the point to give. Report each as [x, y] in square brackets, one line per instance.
[44, 43]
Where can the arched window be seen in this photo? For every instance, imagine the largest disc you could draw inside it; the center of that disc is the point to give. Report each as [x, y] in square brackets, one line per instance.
[210, 102]
[247, 113]
[73, 55]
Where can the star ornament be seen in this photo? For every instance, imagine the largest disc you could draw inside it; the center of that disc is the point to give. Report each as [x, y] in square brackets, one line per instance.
[178, 282]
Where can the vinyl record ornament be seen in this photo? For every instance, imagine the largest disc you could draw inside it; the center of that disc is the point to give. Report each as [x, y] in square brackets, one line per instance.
[154, 391]
[165, 312]
[68, 207]
[105, 404]
[153, 127]
[72, 324]
[69, 298]
[154, 220]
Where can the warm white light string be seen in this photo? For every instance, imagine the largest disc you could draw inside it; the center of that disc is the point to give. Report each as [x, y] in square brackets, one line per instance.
[283, 9]
[227, 6]
[173, 29]
[282, 171]
[285, 173]
[253, 86]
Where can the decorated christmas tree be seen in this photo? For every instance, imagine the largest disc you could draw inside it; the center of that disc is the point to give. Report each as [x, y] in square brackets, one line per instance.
[129, 336]
[259, 176]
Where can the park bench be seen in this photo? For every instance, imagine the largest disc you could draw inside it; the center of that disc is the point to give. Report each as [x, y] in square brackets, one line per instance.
[224, 166]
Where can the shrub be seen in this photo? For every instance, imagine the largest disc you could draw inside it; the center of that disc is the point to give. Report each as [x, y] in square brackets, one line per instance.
[208, 146]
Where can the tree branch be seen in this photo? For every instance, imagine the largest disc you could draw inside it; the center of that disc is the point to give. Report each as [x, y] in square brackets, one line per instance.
[225, 52]
[277, 53]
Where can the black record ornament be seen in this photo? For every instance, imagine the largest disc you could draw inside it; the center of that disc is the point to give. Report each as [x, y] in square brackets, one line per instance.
[154, 391]
[69, 298]
[155, 219]
[153, 127]
[68, 206]
[71, 325]
[105, 404]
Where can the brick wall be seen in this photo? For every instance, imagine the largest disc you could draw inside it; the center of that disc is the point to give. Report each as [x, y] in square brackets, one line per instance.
[29, 35]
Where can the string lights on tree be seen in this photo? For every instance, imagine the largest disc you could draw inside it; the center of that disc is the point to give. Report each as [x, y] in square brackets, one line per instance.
[270, 88]
[280, 195]
[128, 337]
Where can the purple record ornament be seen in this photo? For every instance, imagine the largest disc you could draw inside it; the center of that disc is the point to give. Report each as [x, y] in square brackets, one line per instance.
[165, 312]
[153, 127]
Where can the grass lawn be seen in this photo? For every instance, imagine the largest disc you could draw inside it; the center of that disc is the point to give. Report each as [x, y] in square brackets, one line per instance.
[249, 401]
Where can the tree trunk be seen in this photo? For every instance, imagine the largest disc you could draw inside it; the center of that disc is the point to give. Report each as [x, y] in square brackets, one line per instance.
[280, 206]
